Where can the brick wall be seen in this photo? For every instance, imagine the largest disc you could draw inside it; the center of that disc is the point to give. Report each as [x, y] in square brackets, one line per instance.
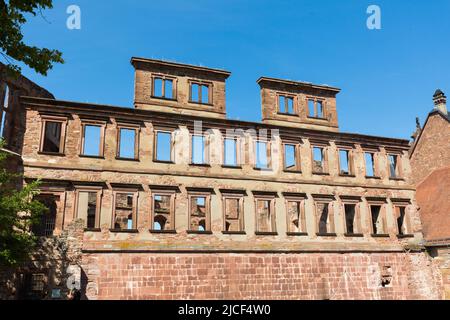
[260, 276]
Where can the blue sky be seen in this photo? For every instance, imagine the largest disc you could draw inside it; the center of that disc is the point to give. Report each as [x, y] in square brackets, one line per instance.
[387, 76]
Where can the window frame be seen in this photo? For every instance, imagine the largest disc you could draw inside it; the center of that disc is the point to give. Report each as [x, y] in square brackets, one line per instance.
[316, 113]
[286, 112]
[201, 84]
[331, 218]
[358, 230]
[134, 217]
[238, 142]
[398, 170]
[57, 119]
[301, 200]
[93, 123]
[350, 161]
[272, 210]
[172, 144]
[325, 158]
[268, 143]
[206, 149]
[90, 189]
[297, 153]
[164, 78]
[382, 204]
[127, 126]
[407, 222]
[195, 193]
[230, 195]
[163, 191]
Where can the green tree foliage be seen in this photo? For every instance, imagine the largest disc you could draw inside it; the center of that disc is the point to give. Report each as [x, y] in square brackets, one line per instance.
[12, 16]
[18, 212]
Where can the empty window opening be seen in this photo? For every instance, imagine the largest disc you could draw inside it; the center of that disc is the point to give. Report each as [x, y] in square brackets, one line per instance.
[316, 109]
[394, 168]
[92, 140]
[198, 213]
[47, 223]
[230, 152]
[318, 160]
[87, 208]
[199, 150]
[262, 155]
[200, 93]
[4, 109]
[52, 137]
[344, 162]
[296, 217]
[326, 218]
[162, 212]
[124, 211]
[265, 216]
[286, 104]
[32, 286]
[378, 220]
[351, 223]
[127, 143]
[163, 88]
[291, 163]
[402, 220]
[163, 146]
[370, 164]
[233, 215]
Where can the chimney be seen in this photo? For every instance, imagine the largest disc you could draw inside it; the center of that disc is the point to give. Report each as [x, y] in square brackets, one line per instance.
[440, 101]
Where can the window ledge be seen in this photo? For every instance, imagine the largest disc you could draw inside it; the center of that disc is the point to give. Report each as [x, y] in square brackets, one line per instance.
[347, 175]
[201, 103]
[163, 161]
[163, 231]
[292, 171]
[234, 232]
[262, 169]
[373, 177]
[380, 235]
[206, 165]
[127, 159]
[298, 234]
[163, 98]
[56, 154]
[354, 235]
[92, 230]
[287, 114]
[317, 118]
[321, 173]
[396, 179]
[260, 233]
[124, 230]
[198, 232]
[225, 166]
[91, 157]
[402, 236]
[326, 234]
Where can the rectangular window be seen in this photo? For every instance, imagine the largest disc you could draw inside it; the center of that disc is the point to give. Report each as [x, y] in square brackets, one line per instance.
[296, 216]
[163, 211]
[128, 143]
[163, 88]
[200, 93]
[92, 141]
[319, 160]
[394, 166]
[316, 109]
[199, 213]
[265, 215]
[47, 223]
[286, 104]
[230, 152]
[403, 223]
[345, 165]
[378, 220]
[262, 155]
[352, 220]
[88, 208]
[163, 149]
[199, 150]
[291, 158]
[125, 211]
[4, 111]
[325, 218]
[233, 213]
[53, 134]
[370, 164]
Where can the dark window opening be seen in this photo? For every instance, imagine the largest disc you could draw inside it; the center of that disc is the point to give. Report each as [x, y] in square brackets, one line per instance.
[326, 224]
[52, 137]
[47, 223]
[350, 217]
[378, 221]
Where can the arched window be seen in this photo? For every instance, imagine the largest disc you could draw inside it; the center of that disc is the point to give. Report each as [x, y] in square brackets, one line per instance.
[159, 223]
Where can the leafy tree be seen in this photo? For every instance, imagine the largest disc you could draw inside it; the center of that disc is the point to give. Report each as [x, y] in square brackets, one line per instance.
[18, 212]
[12, 17]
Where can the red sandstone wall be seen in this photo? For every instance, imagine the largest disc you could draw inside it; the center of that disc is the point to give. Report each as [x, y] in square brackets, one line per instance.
[260, 276]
